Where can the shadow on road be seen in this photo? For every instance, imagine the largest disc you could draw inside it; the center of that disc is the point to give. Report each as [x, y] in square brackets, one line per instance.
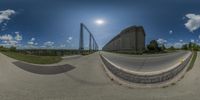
[46, 70]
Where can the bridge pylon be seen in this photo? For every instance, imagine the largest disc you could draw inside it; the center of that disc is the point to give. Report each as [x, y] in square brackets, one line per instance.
[93, 46]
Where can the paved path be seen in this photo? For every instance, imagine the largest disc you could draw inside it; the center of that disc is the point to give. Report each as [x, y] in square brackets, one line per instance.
[146, 63]
[87, 81]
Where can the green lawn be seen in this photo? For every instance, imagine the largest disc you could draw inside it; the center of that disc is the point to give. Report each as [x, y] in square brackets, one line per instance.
[192, 61]
[33, 58]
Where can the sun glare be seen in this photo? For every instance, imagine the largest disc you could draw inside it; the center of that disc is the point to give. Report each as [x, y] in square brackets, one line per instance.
[99, 22]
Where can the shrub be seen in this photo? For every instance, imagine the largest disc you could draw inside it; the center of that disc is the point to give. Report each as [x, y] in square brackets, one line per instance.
[13, 49]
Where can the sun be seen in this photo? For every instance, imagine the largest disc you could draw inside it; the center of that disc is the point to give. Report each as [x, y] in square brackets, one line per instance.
[99, 21]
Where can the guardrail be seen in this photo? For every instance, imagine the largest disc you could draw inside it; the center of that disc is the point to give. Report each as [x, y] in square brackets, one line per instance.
[145, 78]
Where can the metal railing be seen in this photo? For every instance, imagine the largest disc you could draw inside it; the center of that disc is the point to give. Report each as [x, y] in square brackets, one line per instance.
[93, 46]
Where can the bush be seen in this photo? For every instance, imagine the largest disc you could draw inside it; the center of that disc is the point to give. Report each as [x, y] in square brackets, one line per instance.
[153, 46]
[184, 47]
[3, 49]
[13, 49]
[172, 48]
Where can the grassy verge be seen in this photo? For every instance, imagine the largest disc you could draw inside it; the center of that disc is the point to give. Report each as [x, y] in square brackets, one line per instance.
[192, 61]
[33, 58]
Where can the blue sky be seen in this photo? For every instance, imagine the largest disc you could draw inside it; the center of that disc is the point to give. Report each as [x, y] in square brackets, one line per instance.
[56, 23]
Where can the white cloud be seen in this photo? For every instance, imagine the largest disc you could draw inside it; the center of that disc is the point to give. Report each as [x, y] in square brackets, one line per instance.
[6, 37]
[199, 36]
[170, 32]
[42, 46]
[13, 43]
[32, 39]
[3, 27]
[18, 37]
[31, 43]
[8, 40]
[193, 22]
[161, 41]
[48, 44]
[192, 40]
[62, 45]
[180, 40]
[16, 32]
[176, 44]
[5, 15]
[69, 39]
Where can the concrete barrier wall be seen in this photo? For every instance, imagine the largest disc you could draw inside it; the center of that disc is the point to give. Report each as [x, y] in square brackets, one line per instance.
[145, 79]
[130, 39]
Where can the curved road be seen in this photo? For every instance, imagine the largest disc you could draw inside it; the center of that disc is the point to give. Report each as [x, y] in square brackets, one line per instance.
[87, 81]
[146, 63]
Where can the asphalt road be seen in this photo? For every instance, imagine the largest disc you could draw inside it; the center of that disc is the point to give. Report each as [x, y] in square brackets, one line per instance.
[87, 81]
[146, 63]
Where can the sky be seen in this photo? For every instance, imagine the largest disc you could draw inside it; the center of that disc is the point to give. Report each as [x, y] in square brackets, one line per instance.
[56, 23]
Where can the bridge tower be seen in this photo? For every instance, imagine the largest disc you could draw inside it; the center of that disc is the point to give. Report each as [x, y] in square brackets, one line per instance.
[93, 46]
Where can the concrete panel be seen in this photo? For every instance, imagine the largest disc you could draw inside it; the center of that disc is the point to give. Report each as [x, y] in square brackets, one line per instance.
[130, 39]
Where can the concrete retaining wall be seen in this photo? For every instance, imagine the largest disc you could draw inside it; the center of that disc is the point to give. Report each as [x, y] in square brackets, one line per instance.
[131, 39]
[145, 78]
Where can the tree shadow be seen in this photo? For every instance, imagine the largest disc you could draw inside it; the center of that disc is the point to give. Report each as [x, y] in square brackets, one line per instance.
[46, 70]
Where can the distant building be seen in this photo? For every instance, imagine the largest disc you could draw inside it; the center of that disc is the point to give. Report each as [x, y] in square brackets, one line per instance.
[130, 39]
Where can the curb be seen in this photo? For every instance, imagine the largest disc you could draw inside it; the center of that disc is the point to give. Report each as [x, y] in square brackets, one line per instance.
[145, 80]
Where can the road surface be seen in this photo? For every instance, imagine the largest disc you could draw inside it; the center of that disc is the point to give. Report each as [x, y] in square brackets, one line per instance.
[146, 63]
[87, 81]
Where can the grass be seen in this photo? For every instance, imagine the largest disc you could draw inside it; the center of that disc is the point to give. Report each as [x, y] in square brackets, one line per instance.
[192, 61]
[33, 58]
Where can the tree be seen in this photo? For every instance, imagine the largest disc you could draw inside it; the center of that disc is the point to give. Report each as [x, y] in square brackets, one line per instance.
[163, 47]
[13, 49]
[195, 47]
[184, 47]
[2, 48]
[190, 45]
[172, 48]
[153, 46]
